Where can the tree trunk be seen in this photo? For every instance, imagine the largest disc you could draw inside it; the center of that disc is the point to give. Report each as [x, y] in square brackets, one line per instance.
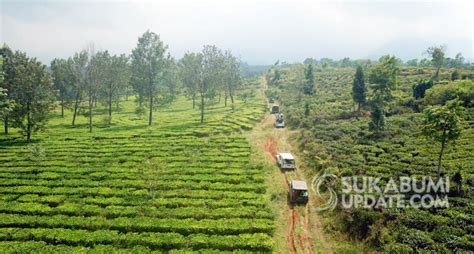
[194, 101]
[443, 145]
[110, 105]
[28, 123]
[5, 125]
[232, 100]
[437, 73]
[225, 100]
[151, 110]
[202, 107]
[62, 106]
[76, 105]
[91, 103]
[358, 107]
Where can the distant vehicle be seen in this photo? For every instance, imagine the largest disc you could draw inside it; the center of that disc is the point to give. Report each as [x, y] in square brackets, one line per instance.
[279, 122]
[286, 161]
[271, 100]
[275, 109]
[298, 192]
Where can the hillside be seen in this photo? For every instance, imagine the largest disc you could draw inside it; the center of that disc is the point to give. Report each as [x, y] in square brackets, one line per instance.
[332, 139]
[177, 186]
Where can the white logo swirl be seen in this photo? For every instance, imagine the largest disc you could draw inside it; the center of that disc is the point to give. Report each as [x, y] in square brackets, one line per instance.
[316, 185]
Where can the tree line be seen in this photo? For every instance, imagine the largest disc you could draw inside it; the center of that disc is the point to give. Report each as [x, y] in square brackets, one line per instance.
[458, 61]
[29, 90]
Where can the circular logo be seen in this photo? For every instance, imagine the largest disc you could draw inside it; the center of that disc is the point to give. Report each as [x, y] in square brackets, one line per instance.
[316, 183]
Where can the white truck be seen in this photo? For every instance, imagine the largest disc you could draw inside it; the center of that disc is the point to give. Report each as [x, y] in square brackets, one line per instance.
[286, 161]
[279, 122]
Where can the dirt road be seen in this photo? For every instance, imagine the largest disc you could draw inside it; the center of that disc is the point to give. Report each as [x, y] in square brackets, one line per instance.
[300, 228]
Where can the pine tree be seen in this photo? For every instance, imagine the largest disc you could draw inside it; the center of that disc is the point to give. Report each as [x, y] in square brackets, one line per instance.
[308, 87]
[359, 91]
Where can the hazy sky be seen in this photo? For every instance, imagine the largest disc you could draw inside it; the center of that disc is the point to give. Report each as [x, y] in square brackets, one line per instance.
[258, 31]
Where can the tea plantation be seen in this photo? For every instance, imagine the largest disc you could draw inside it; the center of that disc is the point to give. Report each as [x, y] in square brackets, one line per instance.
[178, 186]
[335, 139]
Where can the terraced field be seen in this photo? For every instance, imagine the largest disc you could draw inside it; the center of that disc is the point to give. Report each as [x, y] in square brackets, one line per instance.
[332, 140]
[177, 186]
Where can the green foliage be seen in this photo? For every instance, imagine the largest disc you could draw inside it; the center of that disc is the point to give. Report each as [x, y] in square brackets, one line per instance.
[359, 91]
[459, 89]
[377, 116]
[247, 95]
[6, 105]
[383, 77]
[443, 123]
[149, 62]
[455, 75]
[308, 87]
[32, 91]
[273, 77]
[396, 248]
[416, 239]
[190, 67]
[420, 88]
[437, 57]
[63, 77]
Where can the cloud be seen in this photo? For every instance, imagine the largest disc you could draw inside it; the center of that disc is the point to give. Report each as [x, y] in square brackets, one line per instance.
[258, 31]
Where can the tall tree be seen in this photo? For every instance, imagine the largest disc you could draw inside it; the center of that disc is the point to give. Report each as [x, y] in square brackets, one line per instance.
[97, 74]
[5, 103]
[120, 79]
[78, 65]
[190, 69]
[169, 82]
[33, 94]
[7, 70]
[114, 78]
[273, 77]
[383, 80]
[437, 57]
[458, 61]
[232, 78]
[148, 67]
[62, 79]
[359, 91]
[308, 87]
[443, 124]
[211, 64]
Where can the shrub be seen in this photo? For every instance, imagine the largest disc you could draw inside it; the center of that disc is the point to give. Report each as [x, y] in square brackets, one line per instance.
[416, 239]
[397, 248]
[440, 94]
